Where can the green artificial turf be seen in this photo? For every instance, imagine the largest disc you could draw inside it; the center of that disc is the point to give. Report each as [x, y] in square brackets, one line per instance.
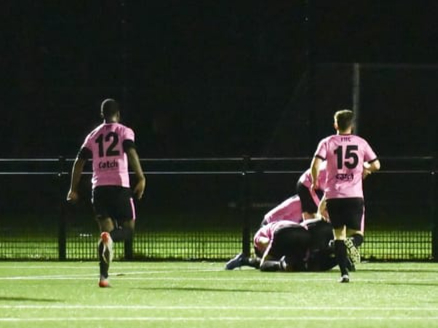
[203, 294]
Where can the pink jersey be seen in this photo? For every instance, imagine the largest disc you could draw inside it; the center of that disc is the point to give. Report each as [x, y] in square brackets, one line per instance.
[345, 156]
[306, 177]
[289, 210]
[267, 233]
[110, 163]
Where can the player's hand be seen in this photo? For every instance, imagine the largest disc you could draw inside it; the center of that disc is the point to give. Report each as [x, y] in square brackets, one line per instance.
[365, 173]
[139, 188]
[314, 186]
[72, 197]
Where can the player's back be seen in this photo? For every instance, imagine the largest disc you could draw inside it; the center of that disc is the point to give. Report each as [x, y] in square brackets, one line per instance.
[345, 155]
[107, 143]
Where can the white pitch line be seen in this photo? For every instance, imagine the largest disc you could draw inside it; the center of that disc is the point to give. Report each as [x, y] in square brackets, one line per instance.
[213, 307]
[115, 274]
[215, 319]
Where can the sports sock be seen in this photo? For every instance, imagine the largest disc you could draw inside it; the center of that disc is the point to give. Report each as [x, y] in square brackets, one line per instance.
[103, 266]
[341, 256]
[121, 234]
[357, 239]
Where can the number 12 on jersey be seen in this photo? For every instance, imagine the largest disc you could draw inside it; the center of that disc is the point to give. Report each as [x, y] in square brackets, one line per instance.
[110, 151]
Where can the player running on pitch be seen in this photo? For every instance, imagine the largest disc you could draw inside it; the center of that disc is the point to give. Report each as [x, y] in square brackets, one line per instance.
[346, 155]
[111, 147]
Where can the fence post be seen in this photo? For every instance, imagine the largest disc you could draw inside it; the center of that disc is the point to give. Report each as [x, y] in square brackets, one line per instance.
[129, 249]
[246, 238]
[433, 213]
[62, 234]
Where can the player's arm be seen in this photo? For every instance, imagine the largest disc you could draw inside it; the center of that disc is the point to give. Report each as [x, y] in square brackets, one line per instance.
[134, 162]
[76, 173]
[263, 244]
[322, 209]
[314, 171]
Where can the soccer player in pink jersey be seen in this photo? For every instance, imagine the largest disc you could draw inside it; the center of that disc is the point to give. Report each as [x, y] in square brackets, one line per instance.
[274, 241]
[349, 158]
[310, 198]
[111, 147]
[302, 206]
[289, 246]
[289, 210]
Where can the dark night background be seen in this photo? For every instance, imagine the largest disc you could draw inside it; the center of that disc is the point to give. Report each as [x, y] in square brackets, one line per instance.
[217, 78]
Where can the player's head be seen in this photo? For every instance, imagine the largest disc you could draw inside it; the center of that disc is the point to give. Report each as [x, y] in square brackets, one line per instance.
[344, 120]
[110, 111]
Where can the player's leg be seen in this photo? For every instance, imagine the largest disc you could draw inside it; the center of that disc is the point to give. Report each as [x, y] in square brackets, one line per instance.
[309, 201]
[357, 235]
[125, 215]
[124, 231]
[321, 233]
[105, 249]
[341, 252]
[355, 212]
[289, 249]
[322, 260]
[335, 211]
[102, 202]
[241, 260]
[275, 265]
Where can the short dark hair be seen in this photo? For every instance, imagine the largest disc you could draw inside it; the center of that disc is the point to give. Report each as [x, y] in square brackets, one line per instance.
[109, 108]
[344, 118]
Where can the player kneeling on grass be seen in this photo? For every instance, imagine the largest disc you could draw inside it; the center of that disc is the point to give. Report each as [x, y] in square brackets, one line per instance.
[289, 246]
[111, 148]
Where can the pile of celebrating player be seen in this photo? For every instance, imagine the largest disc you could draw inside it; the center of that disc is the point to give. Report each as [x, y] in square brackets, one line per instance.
[323, 225]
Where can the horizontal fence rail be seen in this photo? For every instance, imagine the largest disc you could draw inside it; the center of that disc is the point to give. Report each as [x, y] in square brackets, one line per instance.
[208, 208]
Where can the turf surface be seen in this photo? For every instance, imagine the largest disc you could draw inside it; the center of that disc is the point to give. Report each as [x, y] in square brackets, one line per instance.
[195, 294]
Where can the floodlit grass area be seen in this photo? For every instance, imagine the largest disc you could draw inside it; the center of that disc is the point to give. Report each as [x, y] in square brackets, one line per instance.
[202, 294]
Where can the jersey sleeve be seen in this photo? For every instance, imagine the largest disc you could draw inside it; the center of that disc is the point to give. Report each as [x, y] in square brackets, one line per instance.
[128, 144]
[128, 139]
[369, 154]
[128, 134]
[321, 150]
[86, 149]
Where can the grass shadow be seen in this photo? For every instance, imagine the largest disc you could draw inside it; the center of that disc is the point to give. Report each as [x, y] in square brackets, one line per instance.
[411, 283]
[401, 270]
[200, 289]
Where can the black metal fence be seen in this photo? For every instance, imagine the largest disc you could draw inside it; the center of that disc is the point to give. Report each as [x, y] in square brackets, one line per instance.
[206, 208]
